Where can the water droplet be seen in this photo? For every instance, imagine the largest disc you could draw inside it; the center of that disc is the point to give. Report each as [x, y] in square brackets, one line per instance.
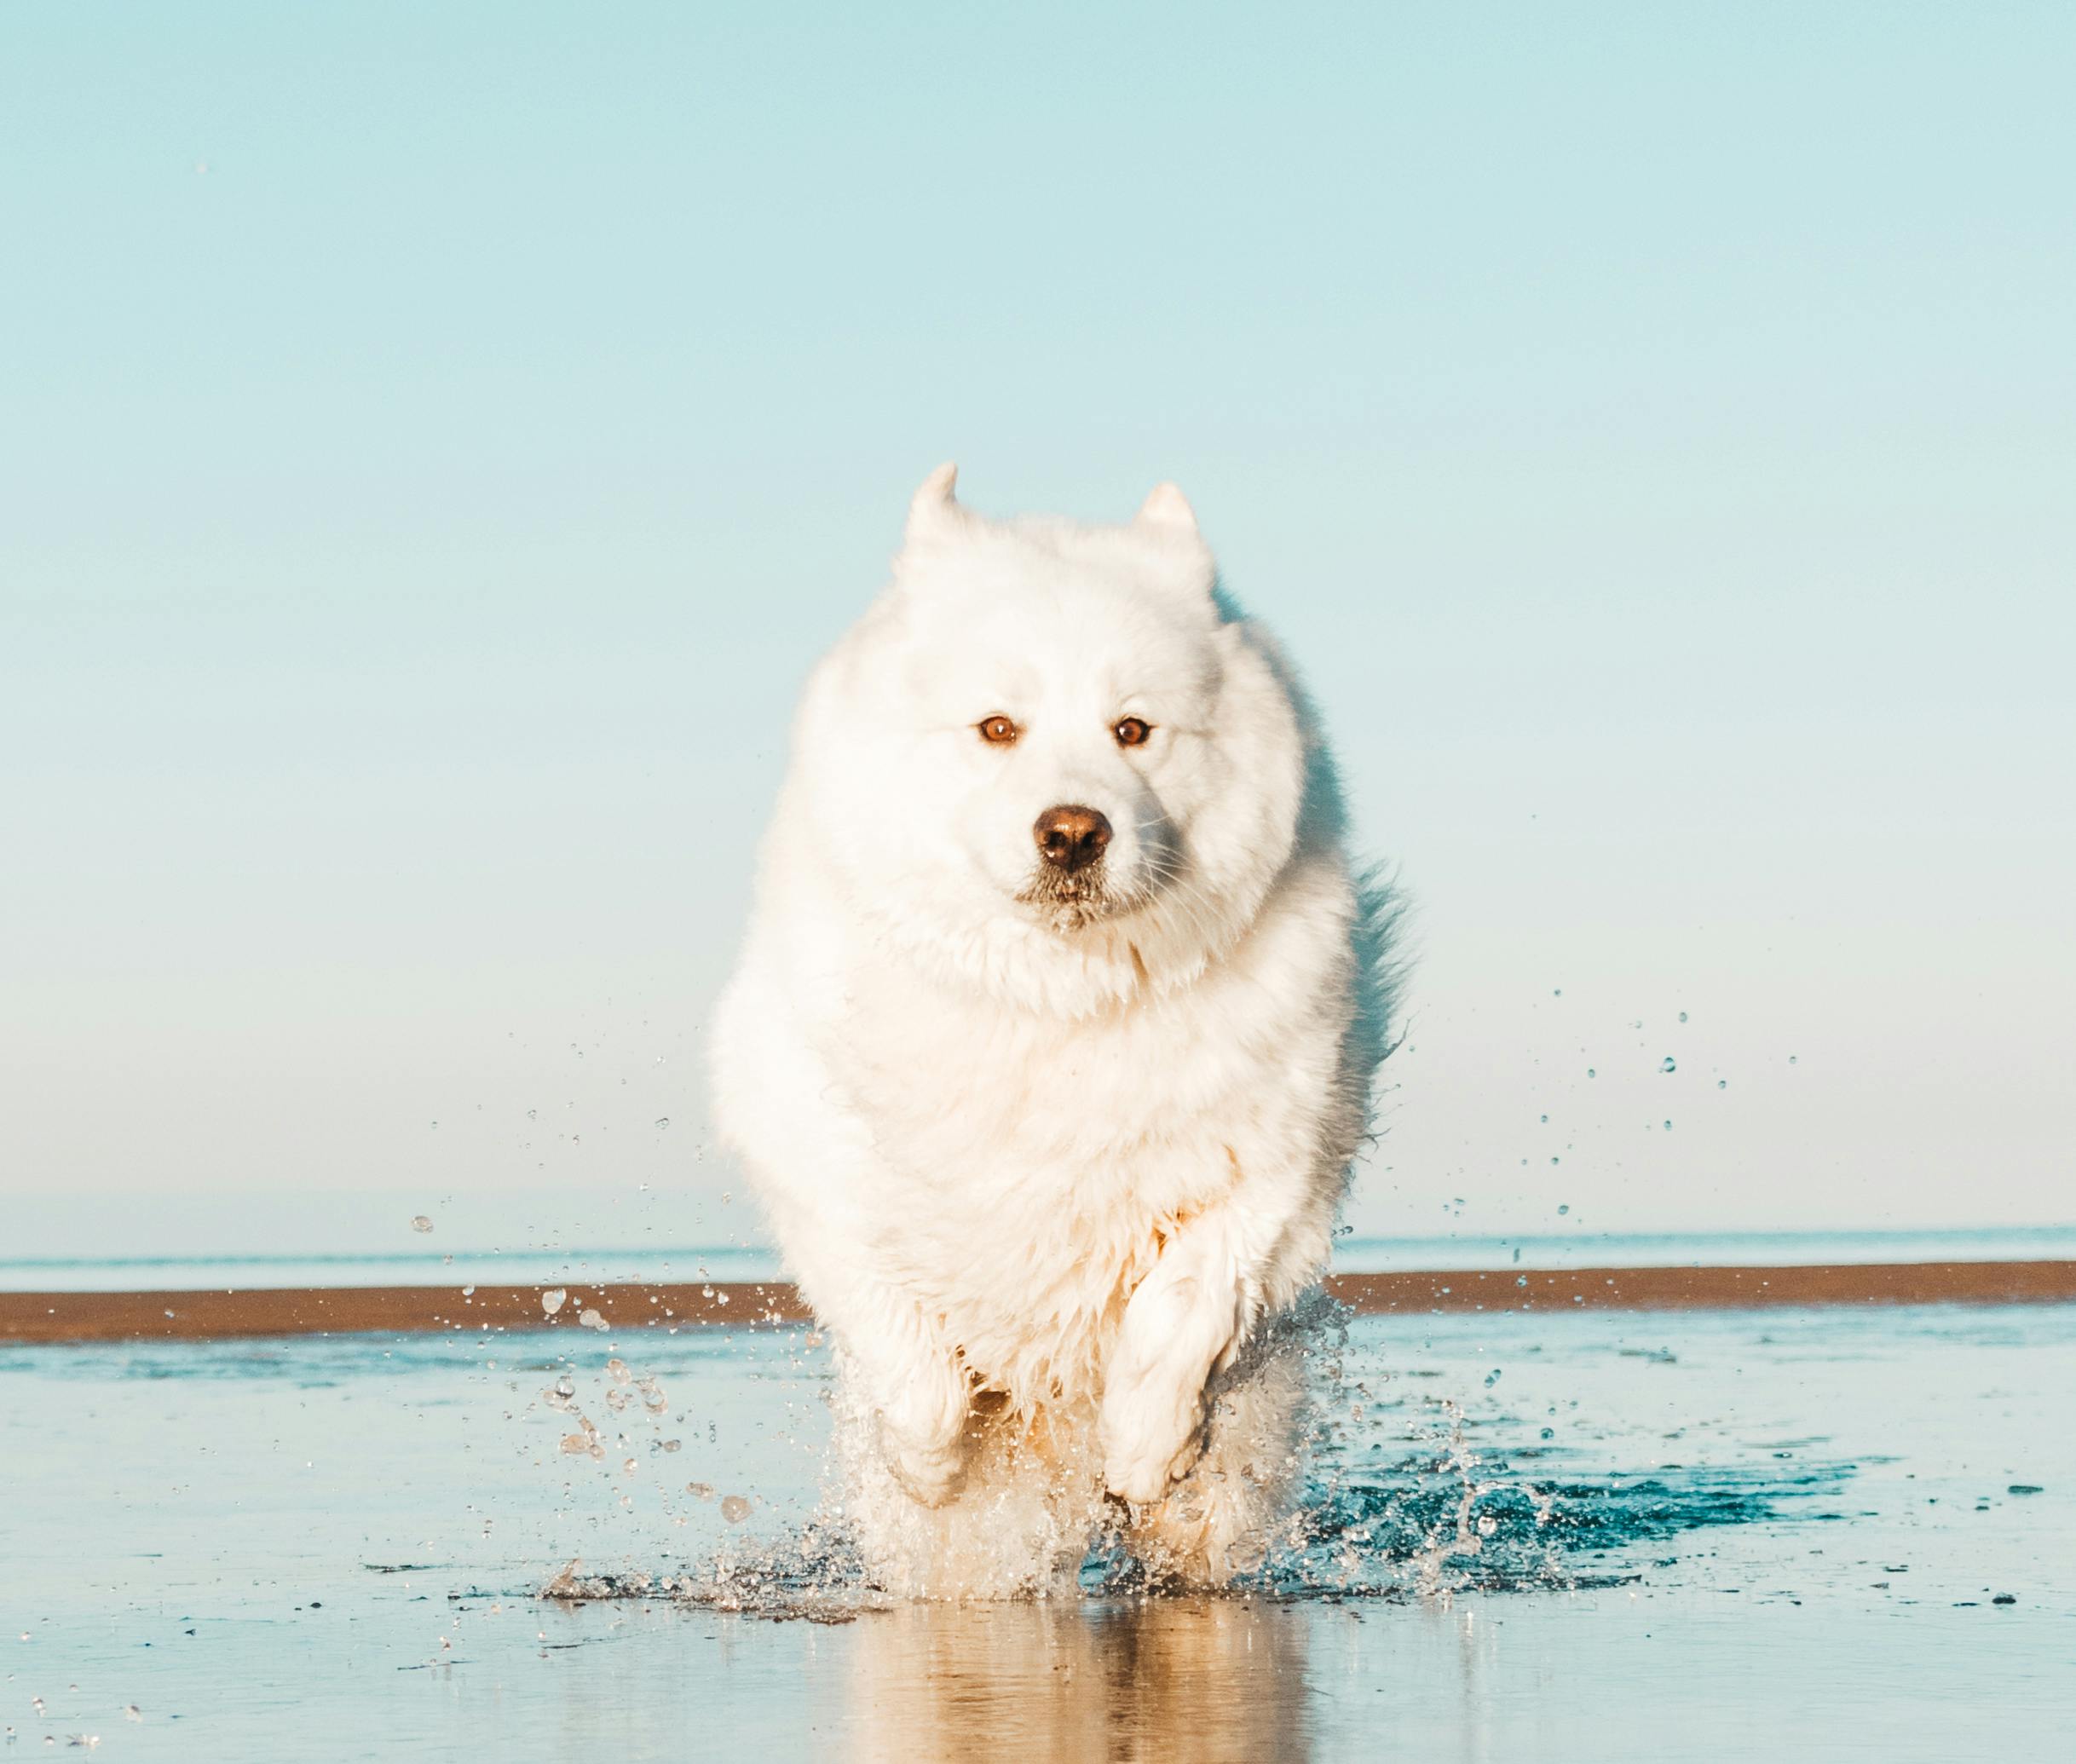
[468, 1292]
[1564, 1209]
[421, 1223]
[1590, 1073]
[1546, 1118]
[1667, 1066]
[1791, 1060]
[532, 1113]
[1549, 1432]
[1520, 1280]
[1491, 1378]
[1668, 1127]
[617, 1370]
[1722, 1084]
[1683, 1017]
[552, 1301]
[591, 1319]
[703, 1490]
[734, 1509]
[663, 1121]
[1486, 1524]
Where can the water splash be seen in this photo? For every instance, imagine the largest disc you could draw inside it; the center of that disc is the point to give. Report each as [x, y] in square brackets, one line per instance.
[1403, 1496]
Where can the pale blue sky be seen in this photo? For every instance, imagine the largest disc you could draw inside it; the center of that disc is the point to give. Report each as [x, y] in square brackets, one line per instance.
[436, 441]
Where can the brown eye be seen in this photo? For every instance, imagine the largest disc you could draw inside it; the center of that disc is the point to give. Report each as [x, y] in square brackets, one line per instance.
[1000, 730]
[1130, 731]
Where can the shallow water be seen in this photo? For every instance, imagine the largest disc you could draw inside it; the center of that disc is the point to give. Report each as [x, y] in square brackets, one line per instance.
[1694, 1533]
[549, 1267]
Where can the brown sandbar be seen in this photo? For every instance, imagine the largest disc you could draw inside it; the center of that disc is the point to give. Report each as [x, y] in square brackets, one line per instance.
[262, 1311]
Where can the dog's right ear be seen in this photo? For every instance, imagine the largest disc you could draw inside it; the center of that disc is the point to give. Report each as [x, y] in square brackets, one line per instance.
[933, 510]
[1166, 507]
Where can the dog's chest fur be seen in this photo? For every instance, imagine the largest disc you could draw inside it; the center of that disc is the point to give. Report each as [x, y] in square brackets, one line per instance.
[1032, 1167]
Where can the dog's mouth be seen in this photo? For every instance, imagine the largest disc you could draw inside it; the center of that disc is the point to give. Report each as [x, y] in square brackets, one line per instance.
[1067, 901]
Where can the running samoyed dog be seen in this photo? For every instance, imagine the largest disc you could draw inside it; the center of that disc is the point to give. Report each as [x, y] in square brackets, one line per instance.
[1051, 1045]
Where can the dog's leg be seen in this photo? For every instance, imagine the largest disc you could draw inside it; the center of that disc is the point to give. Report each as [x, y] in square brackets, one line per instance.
[1220, 1519]
[1260, 1244]
[1187, 1318]
[914, 1384]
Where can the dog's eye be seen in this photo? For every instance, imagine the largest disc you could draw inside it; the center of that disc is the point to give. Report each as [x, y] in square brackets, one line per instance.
[1130, 731]
[999, 731]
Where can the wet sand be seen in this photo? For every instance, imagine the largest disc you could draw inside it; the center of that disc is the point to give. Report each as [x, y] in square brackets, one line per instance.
[261, 1311]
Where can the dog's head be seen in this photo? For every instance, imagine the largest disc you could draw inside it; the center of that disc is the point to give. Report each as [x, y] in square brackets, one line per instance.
[1047, 760]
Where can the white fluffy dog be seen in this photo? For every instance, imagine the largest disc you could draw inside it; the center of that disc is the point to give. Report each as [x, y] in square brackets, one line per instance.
[1052, 1043]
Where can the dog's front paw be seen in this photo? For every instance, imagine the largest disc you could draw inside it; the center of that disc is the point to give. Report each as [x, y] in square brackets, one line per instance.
[1143, 1481]
[1150, 1442]
[929, 1474]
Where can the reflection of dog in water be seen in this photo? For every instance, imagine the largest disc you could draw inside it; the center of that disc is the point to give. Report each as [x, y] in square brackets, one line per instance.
[1180, 1679]
[1051, 1045]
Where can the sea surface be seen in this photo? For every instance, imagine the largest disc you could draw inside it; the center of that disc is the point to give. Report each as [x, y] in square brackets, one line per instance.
[1697, 1534]
[487, 1266]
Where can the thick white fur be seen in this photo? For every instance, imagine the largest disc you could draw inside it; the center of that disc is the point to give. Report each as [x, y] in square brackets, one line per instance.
[1044, 1168]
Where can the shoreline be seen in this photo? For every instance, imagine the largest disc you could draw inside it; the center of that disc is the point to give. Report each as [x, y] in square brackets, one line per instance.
[29, 1318]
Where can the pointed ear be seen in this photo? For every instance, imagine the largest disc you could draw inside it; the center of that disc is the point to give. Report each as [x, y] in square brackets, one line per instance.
[1166, 507]
[933, 507]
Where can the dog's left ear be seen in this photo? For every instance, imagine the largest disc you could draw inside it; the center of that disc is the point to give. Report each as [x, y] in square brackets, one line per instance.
[1176, 555]
[1166, 507]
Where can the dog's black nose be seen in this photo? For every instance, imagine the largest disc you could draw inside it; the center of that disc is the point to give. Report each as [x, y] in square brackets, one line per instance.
[1071, 838]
